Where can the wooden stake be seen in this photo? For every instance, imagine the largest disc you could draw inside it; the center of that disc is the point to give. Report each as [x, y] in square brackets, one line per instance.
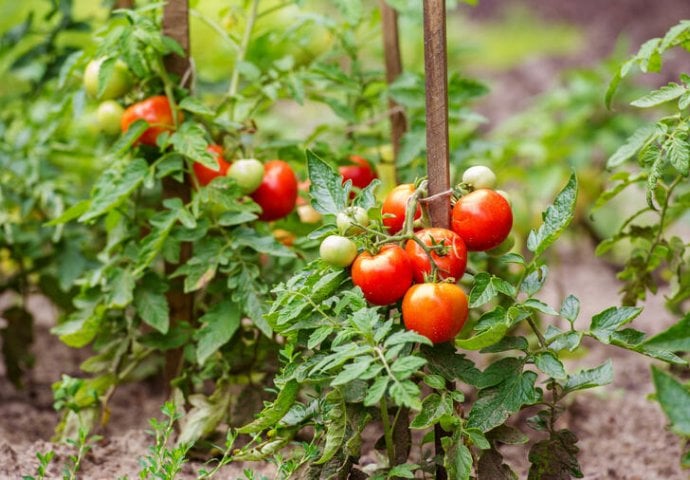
[391, 52]
[437, 146]
[176, 26]
[436, 69]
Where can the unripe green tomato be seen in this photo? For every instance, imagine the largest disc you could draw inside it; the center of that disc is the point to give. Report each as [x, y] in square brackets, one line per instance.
[479, 176]
[348, 221]
[108, 115]
[116, 84]
[504, 247]
[338, 251]
[248, 174]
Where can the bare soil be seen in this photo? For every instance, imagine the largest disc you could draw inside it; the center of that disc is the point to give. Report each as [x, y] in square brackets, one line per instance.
[622, 433]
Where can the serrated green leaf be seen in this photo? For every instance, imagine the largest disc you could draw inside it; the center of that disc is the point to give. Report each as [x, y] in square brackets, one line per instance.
[534, 280]
[219, 324]
[555, 458]
[486, 287]
[676, 338]
[664, 94]
[540, 306]
[404, 367]
[632, 145]
[194, 105]
[445, 361]
[489, 336]
[433, 408]
[491, 467]
[376, 391]
[336, 423]
[72, 213]
[352, 371]
[151, 304]
[458, 458]
[114, 186]
[120, 288]
[495, 404]
[570, 308]
[549, 363]
[595, 377]
[608, 321]
[556, 219]
[406, 394]
[678, 152]
[271, 415]
[674, 399]
[329, 195]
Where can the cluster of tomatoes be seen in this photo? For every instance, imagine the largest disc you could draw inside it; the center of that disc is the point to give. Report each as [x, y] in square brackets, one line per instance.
[272, 185]
[421, 266]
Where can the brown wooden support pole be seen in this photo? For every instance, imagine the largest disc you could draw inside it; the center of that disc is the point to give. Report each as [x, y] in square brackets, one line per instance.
[176, 26]
[437, 145]
[391, 52]
[124, 4]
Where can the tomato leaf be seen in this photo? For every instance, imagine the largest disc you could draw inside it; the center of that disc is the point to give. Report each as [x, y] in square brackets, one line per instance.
[434, 406]
[595, 377]
[151, 304]
[329, 195]
[555, 458]
[486, 287]
[674, 399]
[273, 413]
[664, 94]
[556, 219]
[495, 404]
[676, 338]
[219, 324]
[549, 363]
[491, 467]
[336, 425]
[457, 459]
[608, 321]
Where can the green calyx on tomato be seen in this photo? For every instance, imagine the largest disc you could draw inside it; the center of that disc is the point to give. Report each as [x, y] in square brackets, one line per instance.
[277, 193]
[117, 81]
[436, 310]
[483, 218]
[338, 251]
[351, 220]
[383, 277]
[205, 174]
[395, 206]
[247, 173]
[447, 252]
[156, 111]
[108, 116]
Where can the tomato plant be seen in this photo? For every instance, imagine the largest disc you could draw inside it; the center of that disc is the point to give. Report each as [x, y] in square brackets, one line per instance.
[395, 206]
[483, 218]
[156, 112]
[436, 310]
[441, 247]
[277, 192]
[351, 220]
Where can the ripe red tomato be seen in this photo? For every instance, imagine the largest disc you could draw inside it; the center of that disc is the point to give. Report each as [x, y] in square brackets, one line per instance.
[448, 251]
[360, 172]
[204, 174]
[394, 206]
[436, 310]
[156, 111]
[277, 193]
[483, 219]
[384, 277]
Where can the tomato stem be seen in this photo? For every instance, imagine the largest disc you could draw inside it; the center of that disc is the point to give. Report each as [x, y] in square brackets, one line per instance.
[241, 54]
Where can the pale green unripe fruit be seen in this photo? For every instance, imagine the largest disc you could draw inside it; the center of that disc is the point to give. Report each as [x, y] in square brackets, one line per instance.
[349, 220]
[338, 251]
[117, 83]
[109, 115]
[247, 173]
[479, 176]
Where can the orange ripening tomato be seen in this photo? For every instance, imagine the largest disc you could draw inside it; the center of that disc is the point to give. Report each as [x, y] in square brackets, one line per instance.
[157, 112]
[436, 310]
